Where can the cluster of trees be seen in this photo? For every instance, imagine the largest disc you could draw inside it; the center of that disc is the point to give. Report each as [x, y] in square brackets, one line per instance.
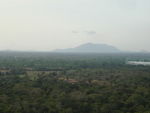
[13, 71]
[81, 84]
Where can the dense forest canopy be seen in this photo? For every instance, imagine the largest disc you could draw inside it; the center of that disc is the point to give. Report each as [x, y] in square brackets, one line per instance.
[42, 82]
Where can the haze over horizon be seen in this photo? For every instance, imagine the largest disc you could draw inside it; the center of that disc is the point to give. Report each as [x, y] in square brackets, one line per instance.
[59, 24]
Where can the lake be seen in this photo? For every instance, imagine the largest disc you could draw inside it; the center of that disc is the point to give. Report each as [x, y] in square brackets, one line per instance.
[138, 63]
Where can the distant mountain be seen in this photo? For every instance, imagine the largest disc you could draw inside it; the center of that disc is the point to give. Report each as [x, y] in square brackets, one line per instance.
[9, 50]
[143, 51]
[91, 48]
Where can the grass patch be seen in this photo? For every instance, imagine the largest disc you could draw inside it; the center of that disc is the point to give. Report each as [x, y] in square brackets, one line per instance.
[21, 76]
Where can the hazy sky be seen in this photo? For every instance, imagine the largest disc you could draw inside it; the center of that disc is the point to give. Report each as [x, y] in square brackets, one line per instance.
[46, 25]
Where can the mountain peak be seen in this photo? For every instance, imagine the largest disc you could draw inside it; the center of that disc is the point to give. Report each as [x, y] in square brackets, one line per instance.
[91, 48]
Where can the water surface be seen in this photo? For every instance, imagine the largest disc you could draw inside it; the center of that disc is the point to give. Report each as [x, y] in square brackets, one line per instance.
[138, 63]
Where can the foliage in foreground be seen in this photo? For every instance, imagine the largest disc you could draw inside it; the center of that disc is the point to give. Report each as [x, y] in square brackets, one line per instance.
[78, 85]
